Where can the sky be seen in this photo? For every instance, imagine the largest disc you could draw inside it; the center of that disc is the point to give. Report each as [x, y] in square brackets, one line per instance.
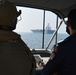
[33, 19]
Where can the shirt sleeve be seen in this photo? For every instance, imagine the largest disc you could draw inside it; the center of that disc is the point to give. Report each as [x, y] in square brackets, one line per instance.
[54, 65]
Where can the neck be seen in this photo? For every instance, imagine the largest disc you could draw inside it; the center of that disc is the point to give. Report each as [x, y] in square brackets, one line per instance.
[72, 32]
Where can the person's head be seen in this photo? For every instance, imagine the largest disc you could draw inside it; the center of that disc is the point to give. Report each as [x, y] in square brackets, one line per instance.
[8, 15]
[71, 22]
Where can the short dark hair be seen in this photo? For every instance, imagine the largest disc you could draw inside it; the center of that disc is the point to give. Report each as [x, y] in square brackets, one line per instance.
[72, 18]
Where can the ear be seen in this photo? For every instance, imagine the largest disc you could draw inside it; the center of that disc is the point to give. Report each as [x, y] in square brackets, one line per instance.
[67, 23]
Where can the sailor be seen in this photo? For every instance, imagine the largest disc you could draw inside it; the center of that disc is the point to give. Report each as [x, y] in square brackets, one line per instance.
[15, 56]
[63, 60]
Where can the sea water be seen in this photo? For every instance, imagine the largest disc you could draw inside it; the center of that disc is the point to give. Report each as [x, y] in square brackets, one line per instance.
[34, 40]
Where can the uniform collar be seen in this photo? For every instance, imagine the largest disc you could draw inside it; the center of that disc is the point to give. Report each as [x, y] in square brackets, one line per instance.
[73, 36]
[69, 38]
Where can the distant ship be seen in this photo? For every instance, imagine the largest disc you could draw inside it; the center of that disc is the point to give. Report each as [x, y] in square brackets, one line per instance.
[47, 30]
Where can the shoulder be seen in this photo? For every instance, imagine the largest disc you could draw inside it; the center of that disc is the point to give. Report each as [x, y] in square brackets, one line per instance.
[63, 41]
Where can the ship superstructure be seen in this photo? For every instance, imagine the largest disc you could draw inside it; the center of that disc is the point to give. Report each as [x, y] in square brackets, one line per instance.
[47, 30]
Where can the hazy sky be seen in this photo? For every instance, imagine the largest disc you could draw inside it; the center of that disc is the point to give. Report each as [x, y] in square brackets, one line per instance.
[33, 19]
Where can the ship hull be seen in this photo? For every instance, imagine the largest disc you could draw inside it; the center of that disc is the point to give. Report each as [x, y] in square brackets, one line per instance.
[46, 31]
[49, 31]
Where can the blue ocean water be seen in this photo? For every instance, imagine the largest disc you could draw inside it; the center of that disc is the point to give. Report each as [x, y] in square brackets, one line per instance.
[34, 40]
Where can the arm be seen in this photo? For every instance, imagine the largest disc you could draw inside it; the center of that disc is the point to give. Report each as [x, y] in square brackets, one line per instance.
[53, 65]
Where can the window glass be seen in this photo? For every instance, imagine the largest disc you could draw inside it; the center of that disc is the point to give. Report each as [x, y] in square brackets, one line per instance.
[30, 27]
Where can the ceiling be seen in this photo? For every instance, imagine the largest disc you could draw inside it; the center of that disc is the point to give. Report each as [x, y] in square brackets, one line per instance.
[60, 7]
